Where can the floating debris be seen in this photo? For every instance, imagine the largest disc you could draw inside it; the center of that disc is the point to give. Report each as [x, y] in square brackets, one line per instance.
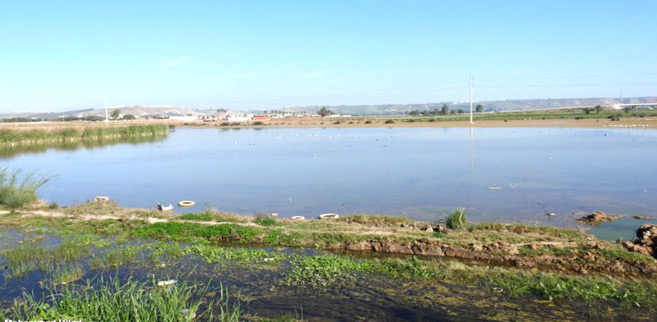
[298, 218]
[186, 203]
[102, 199]
[550, 214]
[498, 289]
[162, 207]
[166, 283]
[495, 188]
[329, 216]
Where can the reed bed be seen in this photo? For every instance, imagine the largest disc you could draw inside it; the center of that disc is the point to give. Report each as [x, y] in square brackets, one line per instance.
[15, 137]
[114, 300]
[18, 188]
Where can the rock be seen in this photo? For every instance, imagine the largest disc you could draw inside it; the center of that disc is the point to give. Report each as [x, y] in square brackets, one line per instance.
[440, 228]
[646, 242]
[503, 247]
[597, 217]
[428, 229]
[476, 247]
[642, 217]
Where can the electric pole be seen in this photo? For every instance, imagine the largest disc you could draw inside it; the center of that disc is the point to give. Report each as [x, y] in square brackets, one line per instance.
[471, 121]
[106, 115]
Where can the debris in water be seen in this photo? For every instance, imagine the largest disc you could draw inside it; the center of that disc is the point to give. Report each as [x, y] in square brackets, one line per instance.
[166, 283]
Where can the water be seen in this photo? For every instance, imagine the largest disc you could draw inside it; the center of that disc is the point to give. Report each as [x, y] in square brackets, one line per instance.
[422, 173]
[262, 292]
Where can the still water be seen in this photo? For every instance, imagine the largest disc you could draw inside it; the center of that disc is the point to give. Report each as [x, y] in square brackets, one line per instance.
[497, 174]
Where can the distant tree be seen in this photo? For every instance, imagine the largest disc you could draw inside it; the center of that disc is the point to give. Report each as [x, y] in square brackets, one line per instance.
[587, 110]
[479, 108]
[460, 110]
[115, 114]
[598, 108]
[627, 109]
[445, 109]
[324, 112]
[129, 117]
[221, 110]
[414, 113]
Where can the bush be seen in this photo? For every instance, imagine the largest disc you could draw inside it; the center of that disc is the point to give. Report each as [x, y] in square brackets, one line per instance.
[457, 219]
[389, 121]
[18, 188]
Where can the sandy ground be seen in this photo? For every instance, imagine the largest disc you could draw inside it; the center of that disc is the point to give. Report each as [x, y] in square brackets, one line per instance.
[627, 123]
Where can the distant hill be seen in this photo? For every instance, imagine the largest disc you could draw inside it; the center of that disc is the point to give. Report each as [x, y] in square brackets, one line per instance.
[506, 105]
[383, 109]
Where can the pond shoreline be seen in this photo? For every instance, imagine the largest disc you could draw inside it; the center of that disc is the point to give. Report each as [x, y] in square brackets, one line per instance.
[535, 263]
[523, 246]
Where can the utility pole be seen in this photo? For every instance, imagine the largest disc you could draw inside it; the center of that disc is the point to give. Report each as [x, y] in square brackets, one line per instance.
[471, 121]
[106, 115]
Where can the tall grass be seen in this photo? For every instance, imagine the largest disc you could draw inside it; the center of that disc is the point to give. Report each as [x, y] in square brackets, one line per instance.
[457, 219]
[18, 188]
[112, 300]
[10, 137]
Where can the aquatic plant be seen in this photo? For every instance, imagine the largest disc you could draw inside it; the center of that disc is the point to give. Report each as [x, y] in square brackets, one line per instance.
[65, 274]
[18, 188]
[457, 219]
[212, 215]
[10, 137]
[264, 220]
[214, 254]
[113, 300]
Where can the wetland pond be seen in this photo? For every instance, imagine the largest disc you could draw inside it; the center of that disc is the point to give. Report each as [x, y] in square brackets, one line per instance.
[497, 174]
[278, 284]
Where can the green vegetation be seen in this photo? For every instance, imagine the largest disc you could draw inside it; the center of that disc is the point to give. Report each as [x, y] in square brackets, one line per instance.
[457, 219]
[112, 300]
[212, 215]
[264, 220]
[567, 113]
[377, 220]
[324, 112]
[185, 231]
[67, 273]
[35, 136]
[321, 271]
[18, 188]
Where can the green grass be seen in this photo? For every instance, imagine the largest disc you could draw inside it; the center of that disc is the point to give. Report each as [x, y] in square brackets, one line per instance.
[185, 231]
[263, 220]
[213, 254]
[322, 271]
[18, 188]
[35, 136]
[68, 273]
[113, 300]
[377, 220]
[212, 215]
[457, 220]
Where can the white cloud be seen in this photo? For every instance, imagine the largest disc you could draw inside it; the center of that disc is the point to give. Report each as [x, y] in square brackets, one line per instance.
[176, 62]
[315, 74]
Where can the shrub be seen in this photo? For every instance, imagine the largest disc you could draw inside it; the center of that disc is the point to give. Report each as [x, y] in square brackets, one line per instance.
[389, 121]
[18, 188]
[457, 219]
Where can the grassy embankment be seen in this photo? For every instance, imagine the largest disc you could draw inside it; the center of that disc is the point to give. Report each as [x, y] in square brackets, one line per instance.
[547, 262]
[573, 113]
[18, 137]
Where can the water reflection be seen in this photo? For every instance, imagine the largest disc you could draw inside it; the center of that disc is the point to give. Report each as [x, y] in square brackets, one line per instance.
[12, 151]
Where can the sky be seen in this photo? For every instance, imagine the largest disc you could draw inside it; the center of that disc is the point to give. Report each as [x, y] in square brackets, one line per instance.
[63, 55]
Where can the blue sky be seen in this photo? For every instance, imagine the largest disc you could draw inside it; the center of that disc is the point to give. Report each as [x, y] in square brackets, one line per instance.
[58, 55]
